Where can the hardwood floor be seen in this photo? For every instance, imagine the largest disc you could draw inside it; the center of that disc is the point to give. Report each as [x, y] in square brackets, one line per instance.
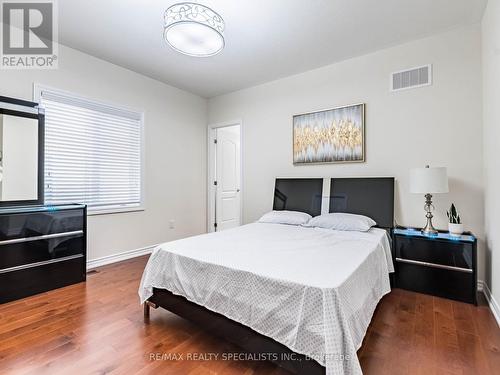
[97, 328]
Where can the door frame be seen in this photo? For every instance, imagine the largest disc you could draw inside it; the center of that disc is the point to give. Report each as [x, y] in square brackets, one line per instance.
[211, 170]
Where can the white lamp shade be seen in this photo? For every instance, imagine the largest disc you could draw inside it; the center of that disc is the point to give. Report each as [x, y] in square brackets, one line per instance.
[428, 180]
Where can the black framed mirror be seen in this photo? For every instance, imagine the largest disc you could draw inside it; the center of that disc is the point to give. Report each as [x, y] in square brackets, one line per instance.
[22, 143]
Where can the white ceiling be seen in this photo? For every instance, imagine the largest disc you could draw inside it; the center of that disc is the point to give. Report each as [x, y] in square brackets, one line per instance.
[265, 40]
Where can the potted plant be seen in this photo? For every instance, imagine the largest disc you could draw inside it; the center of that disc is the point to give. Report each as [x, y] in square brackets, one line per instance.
[455, 225]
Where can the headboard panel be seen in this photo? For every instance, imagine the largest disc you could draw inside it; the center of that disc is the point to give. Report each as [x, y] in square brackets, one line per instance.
[373, 197]
[298, 194]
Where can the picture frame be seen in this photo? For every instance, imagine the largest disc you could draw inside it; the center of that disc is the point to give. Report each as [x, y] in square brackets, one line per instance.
[335, 135]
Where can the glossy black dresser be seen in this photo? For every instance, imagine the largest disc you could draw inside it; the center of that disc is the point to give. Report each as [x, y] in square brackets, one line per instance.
[441, 265]
[41, 248]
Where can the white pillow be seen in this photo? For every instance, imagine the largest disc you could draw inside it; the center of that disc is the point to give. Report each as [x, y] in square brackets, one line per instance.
[342, 221]
[285, 217]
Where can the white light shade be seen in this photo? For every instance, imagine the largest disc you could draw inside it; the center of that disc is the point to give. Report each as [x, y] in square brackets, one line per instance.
[428, 180]
[194, 29]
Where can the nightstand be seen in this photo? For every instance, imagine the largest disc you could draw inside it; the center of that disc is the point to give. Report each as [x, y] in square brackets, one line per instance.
[441, 265]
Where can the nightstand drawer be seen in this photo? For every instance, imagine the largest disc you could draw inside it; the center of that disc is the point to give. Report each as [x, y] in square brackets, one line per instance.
[439, 282]
[435, 253]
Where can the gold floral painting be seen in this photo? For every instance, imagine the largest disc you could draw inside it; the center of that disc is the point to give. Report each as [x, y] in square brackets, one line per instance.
[332, 136]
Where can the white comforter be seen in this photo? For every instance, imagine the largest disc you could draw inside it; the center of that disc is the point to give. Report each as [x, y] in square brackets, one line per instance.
[313, 290]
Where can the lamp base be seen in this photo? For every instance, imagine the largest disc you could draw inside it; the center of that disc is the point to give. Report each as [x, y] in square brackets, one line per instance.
[429, 228]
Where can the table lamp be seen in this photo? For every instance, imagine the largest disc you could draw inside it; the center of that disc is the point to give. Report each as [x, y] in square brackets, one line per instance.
[428, 181]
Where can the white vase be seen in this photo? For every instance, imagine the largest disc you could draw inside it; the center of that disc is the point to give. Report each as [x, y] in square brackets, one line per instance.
[455, 229]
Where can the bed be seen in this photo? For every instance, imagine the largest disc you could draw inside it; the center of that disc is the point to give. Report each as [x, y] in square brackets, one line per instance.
[303, 297]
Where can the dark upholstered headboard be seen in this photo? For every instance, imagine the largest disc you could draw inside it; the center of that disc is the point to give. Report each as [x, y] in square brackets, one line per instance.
[298, 194]
[373, 197]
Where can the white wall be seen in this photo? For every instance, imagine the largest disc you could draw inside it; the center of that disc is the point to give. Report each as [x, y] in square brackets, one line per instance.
[175, 131]
[491, 99]
[438, 125]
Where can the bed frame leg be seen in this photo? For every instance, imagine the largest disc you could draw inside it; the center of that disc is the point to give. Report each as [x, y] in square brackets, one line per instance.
[146, 312]
[147, 306]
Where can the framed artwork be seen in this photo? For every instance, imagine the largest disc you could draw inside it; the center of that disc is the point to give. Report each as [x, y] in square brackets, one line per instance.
[334, 135]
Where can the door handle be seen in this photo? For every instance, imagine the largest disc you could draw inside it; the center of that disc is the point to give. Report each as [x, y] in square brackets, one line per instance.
[237, 190]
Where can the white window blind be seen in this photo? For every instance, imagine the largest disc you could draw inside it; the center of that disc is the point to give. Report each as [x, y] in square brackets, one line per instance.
[92, 153]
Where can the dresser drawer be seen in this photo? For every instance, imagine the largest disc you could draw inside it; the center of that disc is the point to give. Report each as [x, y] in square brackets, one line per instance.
[30, 224]
[26, 282]
[30, 250]
[435, 253]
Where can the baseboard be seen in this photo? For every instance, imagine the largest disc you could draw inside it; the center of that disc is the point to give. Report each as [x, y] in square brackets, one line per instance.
[480, 285]
[94, 263]
[494, 306]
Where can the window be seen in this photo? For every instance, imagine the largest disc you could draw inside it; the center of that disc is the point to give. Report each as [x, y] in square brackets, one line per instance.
[92, 153]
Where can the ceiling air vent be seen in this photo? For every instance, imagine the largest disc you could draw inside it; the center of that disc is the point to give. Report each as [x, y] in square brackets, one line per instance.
[411, 78]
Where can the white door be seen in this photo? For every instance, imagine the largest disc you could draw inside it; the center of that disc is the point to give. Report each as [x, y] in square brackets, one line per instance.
[227, 173]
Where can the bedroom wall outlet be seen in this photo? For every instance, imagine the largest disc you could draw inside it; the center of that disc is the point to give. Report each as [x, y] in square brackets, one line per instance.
[171, 224]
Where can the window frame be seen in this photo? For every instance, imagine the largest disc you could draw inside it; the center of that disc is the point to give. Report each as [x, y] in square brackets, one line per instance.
[37, 90]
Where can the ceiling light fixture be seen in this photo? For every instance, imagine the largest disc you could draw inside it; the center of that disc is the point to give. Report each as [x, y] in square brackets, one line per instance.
[194, 29]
